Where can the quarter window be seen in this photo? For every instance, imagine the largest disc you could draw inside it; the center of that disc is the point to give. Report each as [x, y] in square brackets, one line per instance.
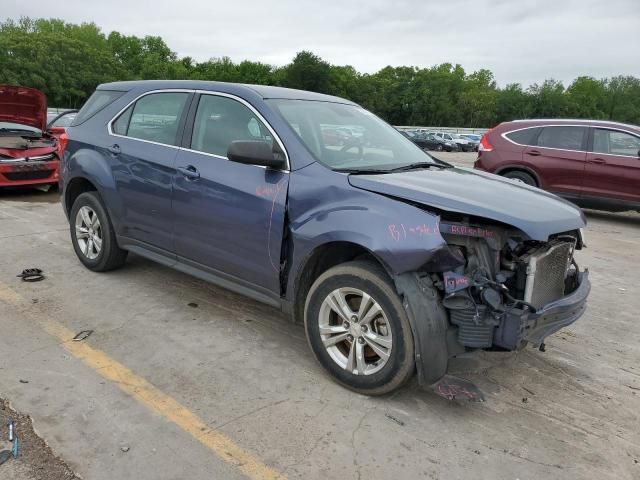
[615, 143]
[154, 117]
[222, 120]
[565, 138]
[524, 137]
[97, 101]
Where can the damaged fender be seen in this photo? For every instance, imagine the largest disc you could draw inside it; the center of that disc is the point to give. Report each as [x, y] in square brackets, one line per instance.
[402, 236]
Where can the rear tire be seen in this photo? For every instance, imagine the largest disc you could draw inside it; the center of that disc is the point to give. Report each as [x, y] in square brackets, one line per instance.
[368, 349]
[93, 236]
[521, 176]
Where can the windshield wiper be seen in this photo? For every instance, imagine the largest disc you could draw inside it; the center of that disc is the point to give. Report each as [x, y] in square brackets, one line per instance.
[403, 168]
[418, 165]
[362, 171]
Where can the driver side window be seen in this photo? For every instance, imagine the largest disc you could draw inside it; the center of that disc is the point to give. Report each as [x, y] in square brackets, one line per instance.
[222, 120]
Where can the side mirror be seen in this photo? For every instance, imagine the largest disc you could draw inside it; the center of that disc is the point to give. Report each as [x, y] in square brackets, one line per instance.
[256, 152]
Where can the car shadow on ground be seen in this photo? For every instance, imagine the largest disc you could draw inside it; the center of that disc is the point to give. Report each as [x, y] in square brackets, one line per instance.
[628, 218]
[44, 194]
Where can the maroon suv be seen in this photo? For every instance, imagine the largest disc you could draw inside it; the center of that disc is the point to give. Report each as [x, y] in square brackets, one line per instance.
[595, 164]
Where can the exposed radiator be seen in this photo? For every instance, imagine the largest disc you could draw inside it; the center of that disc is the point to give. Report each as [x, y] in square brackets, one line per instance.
[546, 272]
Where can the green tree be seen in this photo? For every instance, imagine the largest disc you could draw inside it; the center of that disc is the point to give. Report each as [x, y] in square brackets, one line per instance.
[308, 72]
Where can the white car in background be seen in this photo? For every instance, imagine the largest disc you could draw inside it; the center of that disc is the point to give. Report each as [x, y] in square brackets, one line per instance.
[463, 144]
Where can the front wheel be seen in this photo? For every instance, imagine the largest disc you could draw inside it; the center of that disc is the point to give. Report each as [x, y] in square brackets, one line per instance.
[522, 177]
[358, 329]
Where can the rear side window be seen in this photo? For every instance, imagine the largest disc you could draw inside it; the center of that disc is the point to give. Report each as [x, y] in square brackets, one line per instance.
[615, 143]
[565, 138]
[154, 118]
[220, 121]
[524, 137]
[96, 102]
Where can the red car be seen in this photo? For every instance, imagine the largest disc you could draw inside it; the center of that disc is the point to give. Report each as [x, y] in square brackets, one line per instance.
[595, 164]
[30, 152]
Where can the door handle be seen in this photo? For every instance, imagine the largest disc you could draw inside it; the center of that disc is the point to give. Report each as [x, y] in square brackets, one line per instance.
[190, 172]
[114, 149]
[598, 160]
[533, 153]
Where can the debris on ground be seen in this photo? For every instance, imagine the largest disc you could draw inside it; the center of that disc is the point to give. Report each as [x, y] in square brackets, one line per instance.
[394, 419]
[454, 388]
[192, 305]
[22, 380]
[31, 275]
[125, 448]
[82, 335]
[4, 456]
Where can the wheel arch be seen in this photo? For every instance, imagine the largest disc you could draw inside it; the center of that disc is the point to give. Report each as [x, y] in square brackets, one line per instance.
[522, 168]
[74, 188]
[322, 258]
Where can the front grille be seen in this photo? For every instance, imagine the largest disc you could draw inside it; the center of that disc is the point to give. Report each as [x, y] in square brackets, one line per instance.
[28, 175]
[546, 273]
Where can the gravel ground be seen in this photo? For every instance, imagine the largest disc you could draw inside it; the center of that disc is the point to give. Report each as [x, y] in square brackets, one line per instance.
[35, 460]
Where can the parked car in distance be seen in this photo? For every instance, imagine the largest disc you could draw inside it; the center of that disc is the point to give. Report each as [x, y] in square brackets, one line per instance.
[595, 164]
[429, 142]
[473, 138]
[394, 262]
[463, 144]
[29, 150]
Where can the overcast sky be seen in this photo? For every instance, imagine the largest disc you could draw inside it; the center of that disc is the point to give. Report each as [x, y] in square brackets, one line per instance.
[522, 41]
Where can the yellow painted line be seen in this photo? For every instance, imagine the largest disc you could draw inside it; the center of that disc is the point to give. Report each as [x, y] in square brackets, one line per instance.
[145, 393]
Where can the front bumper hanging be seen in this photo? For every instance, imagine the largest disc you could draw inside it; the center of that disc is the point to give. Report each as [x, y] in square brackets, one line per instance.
[519, 326]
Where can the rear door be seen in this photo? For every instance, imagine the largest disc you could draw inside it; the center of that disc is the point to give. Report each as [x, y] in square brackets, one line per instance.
[229, 217]
[143, 146]
[613, 165]
[559, 157]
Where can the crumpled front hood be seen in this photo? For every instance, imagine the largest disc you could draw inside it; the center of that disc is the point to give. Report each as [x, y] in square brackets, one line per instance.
[538, 214]
[23, 105]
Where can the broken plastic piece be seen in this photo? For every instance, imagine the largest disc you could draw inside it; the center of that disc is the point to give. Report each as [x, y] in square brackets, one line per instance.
[31, 275]
[10, 425]
[82, 335]
[4, 456]
[454, 388]
[16, 447]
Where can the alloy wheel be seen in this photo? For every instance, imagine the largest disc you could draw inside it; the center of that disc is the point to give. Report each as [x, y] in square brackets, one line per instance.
[88, 232]
[355, 331]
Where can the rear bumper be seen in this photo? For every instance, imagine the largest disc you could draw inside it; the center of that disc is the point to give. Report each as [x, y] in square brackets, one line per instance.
[519, 326]
[13, 174]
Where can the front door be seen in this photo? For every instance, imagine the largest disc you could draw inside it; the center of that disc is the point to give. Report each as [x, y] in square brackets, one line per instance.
[229, 217]
[613, 166]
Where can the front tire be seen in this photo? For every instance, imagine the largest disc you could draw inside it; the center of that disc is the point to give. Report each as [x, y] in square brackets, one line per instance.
[520, 176]
[92, 234]
[358, 329]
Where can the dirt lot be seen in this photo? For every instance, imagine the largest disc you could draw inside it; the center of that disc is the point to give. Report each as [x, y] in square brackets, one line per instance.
[181, 379]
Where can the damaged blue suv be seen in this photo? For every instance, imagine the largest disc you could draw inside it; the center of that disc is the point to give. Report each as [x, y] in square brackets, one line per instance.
[394, 261]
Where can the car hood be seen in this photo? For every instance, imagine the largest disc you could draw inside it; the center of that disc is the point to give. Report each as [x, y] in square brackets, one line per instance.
[538, 214]
[23, 105]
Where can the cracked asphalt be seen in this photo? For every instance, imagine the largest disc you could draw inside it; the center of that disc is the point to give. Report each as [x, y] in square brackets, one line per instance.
[156, 366]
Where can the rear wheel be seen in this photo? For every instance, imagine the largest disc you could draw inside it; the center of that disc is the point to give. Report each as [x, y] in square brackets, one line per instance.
[358, 330]
[520, 176]
[92, 234]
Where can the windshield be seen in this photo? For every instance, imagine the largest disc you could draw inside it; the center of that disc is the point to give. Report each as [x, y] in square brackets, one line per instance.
[348, 137]
[10, 128]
